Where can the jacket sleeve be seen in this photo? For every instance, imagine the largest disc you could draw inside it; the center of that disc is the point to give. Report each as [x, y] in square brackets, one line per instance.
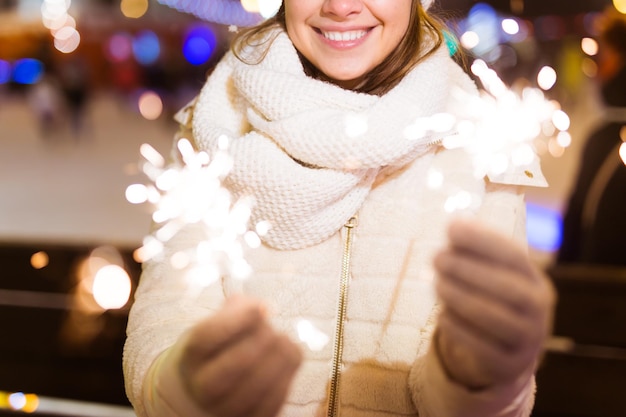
[165, 306]
[434, 393]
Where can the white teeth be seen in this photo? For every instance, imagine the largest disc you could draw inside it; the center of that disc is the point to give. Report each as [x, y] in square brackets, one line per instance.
[344, 36]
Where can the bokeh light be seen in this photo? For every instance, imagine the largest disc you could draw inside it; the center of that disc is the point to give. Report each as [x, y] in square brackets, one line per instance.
[227, 12]
[66, 39]
[543, 227]
[119, 47]
[32, 403]
[620, 5]
[150, 105]
[27, 71]
[589, 67]
[484, 21]
[555, 149]
[17, 400]
[136, 193]
[251, 6]
[54, 10]
[546, 78]
[510, 26]
[589, 46]
[199, 44]
[564, 139]
[134, 9]
[268, 8]
[5, 71]
[39, 260]
[58, 22]
[111, 287]
[146, 47]
[470, 39]
[561, 120]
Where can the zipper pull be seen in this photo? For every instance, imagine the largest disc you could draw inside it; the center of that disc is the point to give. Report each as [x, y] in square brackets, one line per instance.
[352, 223]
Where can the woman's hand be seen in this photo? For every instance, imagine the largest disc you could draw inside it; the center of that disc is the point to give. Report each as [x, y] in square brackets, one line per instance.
[497, 307]
[235, 364]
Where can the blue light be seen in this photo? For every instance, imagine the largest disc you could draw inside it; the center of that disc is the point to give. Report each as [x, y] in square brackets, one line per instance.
[199, 45]
[483, 20]
[544, 228]
[146, 47]
[27, 71]
[5, 71]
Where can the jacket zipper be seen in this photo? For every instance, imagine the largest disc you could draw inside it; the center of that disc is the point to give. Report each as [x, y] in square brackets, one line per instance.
[333, 395]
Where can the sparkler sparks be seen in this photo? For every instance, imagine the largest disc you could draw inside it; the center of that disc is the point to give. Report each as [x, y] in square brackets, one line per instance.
[499, 127]
[191, 193]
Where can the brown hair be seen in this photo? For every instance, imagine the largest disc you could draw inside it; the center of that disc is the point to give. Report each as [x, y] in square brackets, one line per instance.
[424, 32]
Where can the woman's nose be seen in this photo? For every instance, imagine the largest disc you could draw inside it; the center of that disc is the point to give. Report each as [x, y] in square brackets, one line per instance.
[342, 8]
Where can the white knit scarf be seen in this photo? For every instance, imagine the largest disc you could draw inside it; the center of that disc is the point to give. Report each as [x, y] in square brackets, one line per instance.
[309, 151]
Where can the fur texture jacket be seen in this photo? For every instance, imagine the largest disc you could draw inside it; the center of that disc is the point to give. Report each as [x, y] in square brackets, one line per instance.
[378, 173]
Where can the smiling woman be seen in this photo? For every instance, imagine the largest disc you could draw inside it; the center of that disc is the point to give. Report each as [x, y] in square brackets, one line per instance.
[330, 111]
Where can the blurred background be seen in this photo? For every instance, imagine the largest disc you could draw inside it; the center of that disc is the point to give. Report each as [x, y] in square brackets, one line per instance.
[84, 83]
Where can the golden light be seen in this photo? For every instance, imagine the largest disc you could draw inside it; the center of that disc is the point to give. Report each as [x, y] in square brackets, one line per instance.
[134, 9]
[620, 5]
[111, 287]
[589, 67]
[39, 260]
[32, 403]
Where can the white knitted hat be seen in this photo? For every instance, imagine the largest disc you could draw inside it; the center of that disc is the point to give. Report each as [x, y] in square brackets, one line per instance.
[427, 3]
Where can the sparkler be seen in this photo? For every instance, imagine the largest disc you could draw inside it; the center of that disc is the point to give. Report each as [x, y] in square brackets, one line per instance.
[499, 128]
[191, 193]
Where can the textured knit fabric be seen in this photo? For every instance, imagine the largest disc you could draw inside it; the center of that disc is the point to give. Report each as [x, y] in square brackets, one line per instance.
[309, 151]
[388, 366]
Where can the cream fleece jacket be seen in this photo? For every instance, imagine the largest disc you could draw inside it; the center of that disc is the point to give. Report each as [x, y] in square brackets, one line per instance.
[389, 368]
